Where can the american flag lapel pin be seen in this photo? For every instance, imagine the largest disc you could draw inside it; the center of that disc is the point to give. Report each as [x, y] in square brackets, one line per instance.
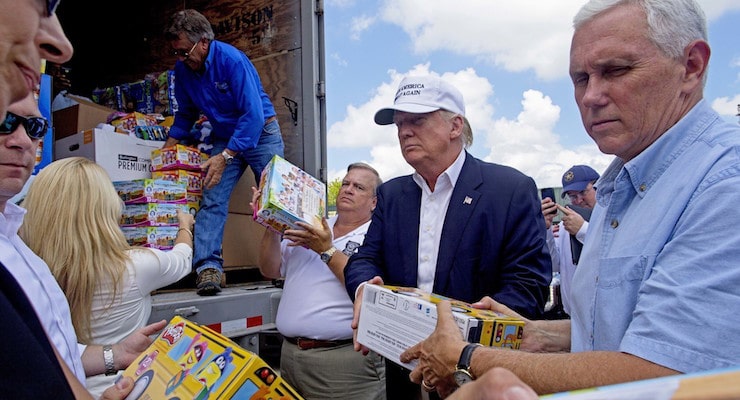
[468, 200]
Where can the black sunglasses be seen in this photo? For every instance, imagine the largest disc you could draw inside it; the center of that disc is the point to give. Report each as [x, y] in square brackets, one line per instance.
[51, 7]
[36, 127]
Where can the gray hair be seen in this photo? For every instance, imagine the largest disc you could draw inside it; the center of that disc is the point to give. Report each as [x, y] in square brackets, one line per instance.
[467, 130]
[362, 165]
[192, 23]
[672, 24]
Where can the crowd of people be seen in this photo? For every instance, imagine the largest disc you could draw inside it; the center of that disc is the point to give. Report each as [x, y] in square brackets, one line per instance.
[645, 250]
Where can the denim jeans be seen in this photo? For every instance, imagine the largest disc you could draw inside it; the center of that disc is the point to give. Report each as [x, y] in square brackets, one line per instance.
[214, 207]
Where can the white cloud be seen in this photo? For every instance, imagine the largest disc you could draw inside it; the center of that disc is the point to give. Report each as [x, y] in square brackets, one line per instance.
[485, 29]
[338, 59]
[726, 106]
[360, 24]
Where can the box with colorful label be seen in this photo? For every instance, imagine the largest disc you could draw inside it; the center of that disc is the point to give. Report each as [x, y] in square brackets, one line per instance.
[176, 157]
[193, 179]
[190, 361]
[394, 318]
[158, 237]
[151, 191]
[288, 195]
[151, 214]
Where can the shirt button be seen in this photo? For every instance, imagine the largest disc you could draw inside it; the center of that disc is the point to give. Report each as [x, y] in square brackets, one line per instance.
[615, 223]
[643, 187]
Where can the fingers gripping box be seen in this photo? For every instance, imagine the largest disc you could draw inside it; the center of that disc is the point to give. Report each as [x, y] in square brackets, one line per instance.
[394, 318]
[288, 195]
[189, 361]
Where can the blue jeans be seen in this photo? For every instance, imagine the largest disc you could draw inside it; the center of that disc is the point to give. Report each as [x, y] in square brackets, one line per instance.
[214, 206]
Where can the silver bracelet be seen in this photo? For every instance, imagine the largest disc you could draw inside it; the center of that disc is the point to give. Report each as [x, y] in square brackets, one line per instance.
[188, 231]
[110, 367]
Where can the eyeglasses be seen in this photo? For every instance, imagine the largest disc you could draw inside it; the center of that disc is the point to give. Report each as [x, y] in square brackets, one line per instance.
[36, 127]
[51, 7]
[577, 195]
[184, 54]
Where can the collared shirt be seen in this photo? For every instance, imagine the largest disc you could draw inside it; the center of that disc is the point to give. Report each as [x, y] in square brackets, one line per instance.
[229, 92]
[433, 211]
[42, 289]
[659, 276]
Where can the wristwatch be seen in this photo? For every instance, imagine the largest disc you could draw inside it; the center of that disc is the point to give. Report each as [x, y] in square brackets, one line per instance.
[462, 372]
[228, 157]
[326, 256]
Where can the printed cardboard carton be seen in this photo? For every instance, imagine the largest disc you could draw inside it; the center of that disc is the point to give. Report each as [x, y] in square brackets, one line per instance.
[289, 195]
[151, 214]
[189, 361]
[394, 318]
[176, 157]
[158, 237]
[138, 191]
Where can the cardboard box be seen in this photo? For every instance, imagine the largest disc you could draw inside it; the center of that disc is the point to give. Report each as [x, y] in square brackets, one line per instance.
[123, 157]
[151, 214]
[82, 116]
[718, 384]
[289, 195]
[394, 318]
[138, 191]
[242, 194]
[176, 157]
[158, 237]
[189, 361]
[193, 179]
[242, 238]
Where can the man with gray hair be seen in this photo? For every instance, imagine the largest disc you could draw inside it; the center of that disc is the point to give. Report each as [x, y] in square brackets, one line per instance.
[657, 288]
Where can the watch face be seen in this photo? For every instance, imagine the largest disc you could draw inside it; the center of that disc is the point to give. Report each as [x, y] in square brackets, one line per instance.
[462, 377]
[325, 257]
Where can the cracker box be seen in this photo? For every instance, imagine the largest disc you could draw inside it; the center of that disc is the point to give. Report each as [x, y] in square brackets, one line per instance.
[289, 195]
[189, 361]
[158, 237]
[138, 191]
[151, 214]
[176, 157]
[394, 318]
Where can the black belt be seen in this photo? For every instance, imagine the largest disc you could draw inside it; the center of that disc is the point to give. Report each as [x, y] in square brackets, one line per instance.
[306, 343]
[273, 118]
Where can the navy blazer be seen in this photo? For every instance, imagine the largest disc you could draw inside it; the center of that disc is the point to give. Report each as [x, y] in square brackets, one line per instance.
[493, 241]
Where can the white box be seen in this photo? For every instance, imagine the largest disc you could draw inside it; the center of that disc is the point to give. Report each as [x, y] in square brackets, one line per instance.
[124, 157]
[394, 318]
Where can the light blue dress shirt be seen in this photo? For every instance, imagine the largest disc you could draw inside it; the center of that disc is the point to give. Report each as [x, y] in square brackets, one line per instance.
[659, 276]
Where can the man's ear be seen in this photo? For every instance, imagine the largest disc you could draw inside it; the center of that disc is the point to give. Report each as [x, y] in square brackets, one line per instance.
[695, 61]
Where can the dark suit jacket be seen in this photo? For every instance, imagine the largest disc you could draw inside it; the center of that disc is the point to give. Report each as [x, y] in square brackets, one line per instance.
[493, 241]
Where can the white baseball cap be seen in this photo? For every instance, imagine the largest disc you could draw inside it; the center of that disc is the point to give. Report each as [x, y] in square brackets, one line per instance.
[420, 95]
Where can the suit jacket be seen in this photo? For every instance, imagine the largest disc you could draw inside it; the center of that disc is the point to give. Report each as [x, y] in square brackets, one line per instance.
[575, 246]
[493, 241]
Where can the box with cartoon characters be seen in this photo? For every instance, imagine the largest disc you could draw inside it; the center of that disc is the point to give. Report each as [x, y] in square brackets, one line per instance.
[189, 361]
[288, 195]
[394, 318]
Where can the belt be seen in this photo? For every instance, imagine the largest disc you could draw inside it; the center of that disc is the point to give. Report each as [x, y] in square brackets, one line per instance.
[306, 343]
[273, 118]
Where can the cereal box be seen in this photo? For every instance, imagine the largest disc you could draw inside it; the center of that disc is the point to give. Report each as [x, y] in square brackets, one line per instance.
[288, 195]
[189, 361]
[151, 191]
[176, 157]
[394, 318]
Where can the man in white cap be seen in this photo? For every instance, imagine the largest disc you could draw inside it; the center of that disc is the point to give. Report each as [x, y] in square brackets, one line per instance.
[457, 226]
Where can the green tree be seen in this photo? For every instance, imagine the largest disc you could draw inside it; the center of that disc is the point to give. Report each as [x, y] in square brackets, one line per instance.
[333, 191]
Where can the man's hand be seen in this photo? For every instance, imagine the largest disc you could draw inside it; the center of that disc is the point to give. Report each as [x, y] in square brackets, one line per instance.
[356, 317]
[120, 390]
[128, 349]
[316, 239]
[549, 210]
[572, 221]
[214, 168]
[495, 384]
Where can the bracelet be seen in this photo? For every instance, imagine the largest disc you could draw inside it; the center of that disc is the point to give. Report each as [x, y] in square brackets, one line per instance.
[186, 230]
[110, 367]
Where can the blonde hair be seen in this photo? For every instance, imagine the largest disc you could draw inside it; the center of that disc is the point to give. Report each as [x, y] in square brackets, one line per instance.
[72, 224]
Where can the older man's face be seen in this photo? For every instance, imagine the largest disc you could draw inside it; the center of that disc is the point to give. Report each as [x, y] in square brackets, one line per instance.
[628, 92]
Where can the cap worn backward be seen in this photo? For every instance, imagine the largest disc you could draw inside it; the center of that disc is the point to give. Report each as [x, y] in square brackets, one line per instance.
[422, 94]
[577, 178]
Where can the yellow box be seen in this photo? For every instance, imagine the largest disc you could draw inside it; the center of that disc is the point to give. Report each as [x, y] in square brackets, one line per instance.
[394, 318]
[189, 361]
[289, 195]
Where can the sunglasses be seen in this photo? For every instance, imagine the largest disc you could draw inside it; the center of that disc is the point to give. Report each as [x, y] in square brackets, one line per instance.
[36, 127]
[184, 54]
[51, 7]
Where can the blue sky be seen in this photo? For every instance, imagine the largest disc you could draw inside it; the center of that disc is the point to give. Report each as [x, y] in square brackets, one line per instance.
[510, 60]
